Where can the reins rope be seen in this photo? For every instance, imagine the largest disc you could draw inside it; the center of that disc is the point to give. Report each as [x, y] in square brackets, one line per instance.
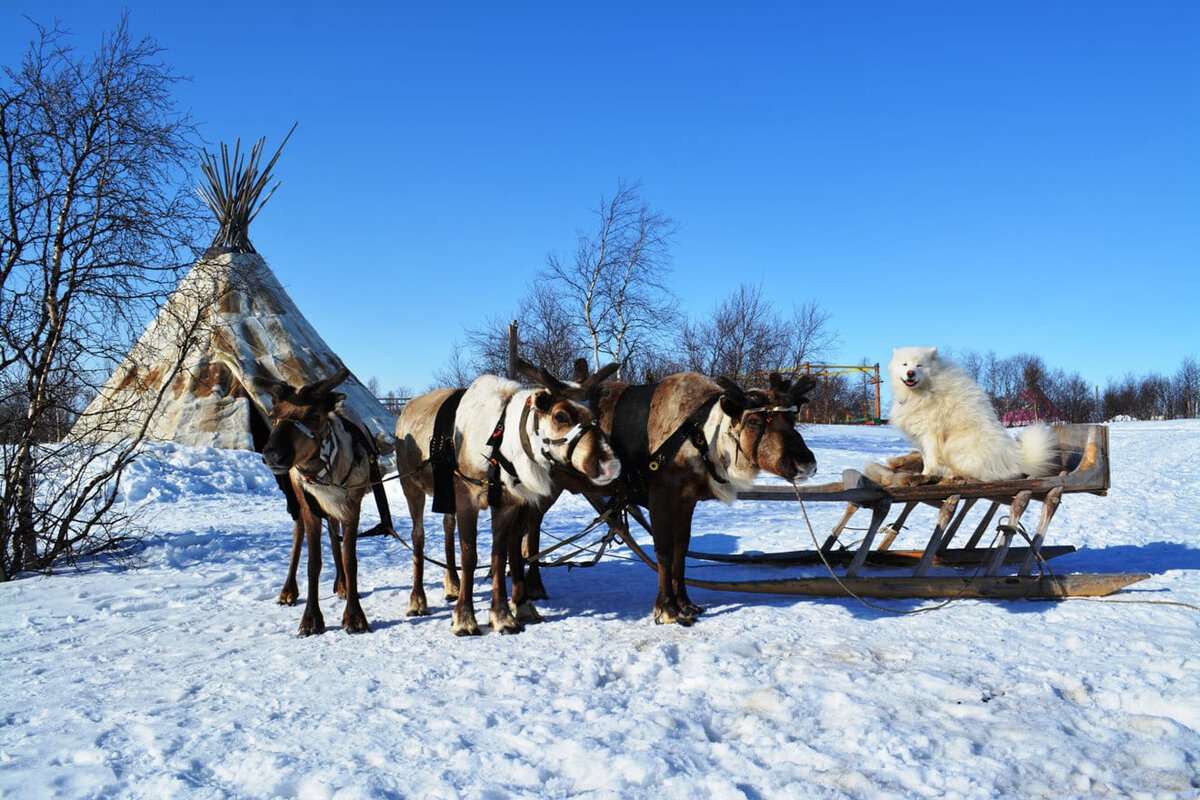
[833, 573]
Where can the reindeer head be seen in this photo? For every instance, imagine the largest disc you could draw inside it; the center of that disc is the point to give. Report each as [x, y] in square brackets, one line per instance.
[566, 423]
[763, 425]
[298, 420]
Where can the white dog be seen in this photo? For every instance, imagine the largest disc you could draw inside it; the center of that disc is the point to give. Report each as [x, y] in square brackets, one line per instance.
[945, 414]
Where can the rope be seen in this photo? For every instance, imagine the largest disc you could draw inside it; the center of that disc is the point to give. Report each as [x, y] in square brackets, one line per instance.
[898, 612]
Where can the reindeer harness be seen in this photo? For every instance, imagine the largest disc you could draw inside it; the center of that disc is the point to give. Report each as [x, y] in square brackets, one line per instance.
[631, 439]
[497, 461]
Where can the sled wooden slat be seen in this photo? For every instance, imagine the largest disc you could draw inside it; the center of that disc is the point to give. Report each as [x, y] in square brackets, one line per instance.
[957, 557]
[1013, 587]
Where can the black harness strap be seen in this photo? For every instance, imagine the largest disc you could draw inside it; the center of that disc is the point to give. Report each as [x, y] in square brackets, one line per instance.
[691, 430]
[362, 440]
[631, 441]
[441, 454]
[497, 461]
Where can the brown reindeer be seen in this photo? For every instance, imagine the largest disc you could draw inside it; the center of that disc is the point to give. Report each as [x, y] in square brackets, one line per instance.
[689, 438]
[505, 441]
[316, 448]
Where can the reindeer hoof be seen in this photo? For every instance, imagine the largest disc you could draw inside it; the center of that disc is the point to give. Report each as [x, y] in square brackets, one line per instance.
[690, 609]
[526, 613]
[418, 606]
[504, 623]
[672, 615]
[311, 624]
[355, 623]
[465, 627]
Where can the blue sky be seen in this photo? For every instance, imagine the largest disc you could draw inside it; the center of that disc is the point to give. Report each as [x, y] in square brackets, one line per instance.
[1006, 176]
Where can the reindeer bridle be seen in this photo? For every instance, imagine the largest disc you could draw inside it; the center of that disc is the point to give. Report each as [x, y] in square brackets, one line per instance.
[766, 412]
[330, 449]
[571, 439]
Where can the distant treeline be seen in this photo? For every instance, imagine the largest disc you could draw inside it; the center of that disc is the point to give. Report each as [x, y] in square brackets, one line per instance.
[1023, 378]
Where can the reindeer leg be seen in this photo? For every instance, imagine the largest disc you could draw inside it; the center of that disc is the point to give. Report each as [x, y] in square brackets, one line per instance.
[353, 618]
[290, 591]
[683, 538]
[522, 601]
[531, 545]
[505, 527]
[450, 581]
[662, 525]
[418, 605]
[335, 544]
[312, 620]
[462, 622]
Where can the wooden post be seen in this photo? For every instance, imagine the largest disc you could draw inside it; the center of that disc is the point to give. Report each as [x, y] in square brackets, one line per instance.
[878, 406]
[513, 340]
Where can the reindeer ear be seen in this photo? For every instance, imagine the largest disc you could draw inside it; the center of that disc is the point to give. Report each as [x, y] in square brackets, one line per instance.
[330, 401]
[601, 375]
[733, 400]
[539, 375]
[543, 401]
[335, 380]
[804, 385]
[278, 390]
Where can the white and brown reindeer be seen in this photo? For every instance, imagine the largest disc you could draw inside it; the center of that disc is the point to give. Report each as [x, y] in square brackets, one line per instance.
[689, 438]
[506, 440]
[319, 453]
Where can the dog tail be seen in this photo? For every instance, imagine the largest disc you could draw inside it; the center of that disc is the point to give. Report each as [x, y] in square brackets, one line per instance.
[1039, 451]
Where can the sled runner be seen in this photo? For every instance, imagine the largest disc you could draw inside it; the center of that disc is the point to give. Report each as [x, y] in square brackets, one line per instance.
[999, 558]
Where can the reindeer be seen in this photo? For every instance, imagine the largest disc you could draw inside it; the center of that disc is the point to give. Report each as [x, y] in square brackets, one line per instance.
[320, 453]
[505, 441]
[690, 438]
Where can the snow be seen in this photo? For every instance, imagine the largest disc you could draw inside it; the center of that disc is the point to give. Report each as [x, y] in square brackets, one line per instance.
[182, 677]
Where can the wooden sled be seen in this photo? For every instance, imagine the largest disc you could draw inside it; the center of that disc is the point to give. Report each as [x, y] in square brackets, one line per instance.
[997, 543]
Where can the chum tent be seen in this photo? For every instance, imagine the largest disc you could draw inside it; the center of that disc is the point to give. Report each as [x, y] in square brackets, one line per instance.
[190, 377]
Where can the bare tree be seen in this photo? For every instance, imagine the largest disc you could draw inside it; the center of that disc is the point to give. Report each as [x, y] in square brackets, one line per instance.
[1187, 388]
[614, 286]
[1072, 396]
[96, 230]
[812, 337]
[745, 335]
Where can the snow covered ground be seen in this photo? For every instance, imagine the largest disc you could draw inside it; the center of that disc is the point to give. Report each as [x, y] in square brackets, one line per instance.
[183, 678]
